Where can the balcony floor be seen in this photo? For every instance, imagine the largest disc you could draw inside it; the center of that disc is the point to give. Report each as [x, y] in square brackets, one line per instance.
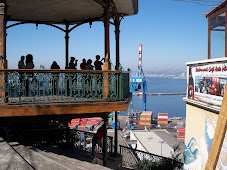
[75, 109]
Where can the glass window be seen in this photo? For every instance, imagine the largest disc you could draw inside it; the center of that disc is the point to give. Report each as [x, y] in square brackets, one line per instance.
[221, 18]
[218, 42]
[212, 22]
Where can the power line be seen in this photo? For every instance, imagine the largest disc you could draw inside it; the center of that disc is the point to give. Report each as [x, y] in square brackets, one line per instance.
[200, 2]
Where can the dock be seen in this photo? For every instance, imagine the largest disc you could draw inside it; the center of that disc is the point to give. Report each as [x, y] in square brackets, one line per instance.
[156, 94]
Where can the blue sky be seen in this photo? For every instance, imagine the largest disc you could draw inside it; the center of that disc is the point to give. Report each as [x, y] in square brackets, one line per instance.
[171, 32]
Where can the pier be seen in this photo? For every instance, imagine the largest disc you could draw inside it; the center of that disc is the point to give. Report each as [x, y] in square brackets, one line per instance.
[155, 94]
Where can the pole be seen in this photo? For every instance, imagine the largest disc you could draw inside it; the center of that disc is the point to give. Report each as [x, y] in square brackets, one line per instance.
[116, 135]
[104, 150]
[66, 45]
[117, 38]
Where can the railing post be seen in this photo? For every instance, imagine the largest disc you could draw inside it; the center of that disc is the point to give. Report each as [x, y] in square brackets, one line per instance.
[120, 86]
[104, 149]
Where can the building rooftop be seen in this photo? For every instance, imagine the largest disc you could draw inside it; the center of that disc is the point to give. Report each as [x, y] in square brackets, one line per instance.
[158, 142]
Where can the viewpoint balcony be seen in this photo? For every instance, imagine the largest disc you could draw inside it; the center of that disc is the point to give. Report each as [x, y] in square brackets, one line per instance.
[25, 92]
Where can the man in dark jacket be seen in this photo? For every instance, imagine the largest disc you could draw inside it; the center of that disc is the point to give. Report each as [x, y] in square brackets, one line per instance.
[97, 139]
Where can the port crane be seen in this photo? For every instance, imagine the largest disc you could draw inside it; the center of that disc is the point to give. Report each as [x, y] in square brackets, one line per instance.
[137, 82]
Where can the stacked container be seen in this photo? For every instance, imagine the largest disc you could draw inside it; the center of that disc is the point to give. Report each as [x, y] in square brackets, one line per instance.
[135, 118]
[145, 119]
[181, 134]
[163, 118]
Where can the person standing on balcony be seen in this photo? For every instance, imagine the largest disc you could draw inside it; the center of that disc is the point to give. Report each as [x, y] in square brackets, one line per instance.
[89, 66]
[29, 65]
[55, 65]
[73, 63]
[21, 64]
[83, 64]
[55, 78]
[98, 64]
[97, 139]
[29, 62]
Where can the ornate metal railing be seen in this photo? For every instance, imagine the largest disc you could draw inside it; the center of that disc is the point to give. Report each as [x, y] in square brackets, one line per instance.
[83, 140]
[131, 157]
[50, 86]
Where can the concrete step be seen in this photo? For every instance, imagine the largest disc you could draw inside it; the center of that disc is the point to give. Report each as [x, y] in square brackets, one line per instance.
[10, 159]
[49, 160]
[77, 158]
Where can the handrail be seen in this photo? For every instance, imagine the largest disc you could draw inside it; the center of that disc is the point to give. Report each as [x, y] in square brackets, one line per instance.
[149, 153]
[58, 71]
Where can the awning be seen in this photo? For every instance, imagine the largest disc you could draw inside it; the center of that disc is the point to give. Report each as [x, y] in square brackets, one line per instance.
[62, 11]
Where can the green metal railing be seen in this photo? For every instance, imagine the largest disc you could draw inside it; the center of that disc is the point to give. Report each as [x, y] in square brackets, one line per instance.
[62, 86]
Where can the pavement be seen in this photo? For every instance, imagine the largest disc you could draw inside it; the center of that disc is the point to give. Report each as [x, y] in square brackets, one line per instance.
[15, 156]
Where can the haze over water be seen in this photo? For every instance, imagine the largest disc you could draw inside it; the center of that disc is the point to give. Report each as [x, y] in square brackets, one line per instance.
[171, 104]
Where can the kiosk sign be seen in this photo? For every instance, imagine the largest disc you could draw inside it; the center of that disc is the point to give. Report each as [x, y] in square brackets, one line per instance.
[206, 83]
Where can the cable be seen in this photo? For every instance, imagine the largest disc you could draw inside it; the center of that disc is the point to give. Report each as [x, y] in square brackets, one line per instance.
[198, 2]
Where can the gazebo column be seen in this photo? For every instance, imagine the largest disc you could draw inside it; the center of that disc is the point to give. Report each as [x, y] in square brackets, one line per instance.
[117, 39]
[106, 65]
[3, 61]
[66, 45]
[104, 149]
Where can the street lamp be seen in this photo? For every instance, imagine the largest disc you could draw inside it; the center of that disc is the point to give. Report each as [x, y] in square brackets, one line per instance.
[161, 141]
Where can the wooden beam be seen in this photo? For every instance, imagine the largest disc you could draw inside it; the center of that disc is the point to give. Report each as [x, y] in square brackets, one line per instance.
[61, 109]
[225, 32]
[219, 136]
[100, 3]
[57, 71]
[209, 39]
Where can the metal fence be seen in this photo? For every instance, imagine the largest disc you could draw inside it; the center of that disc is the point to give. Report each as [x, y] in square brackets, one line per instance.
[83, 140]
[131, 157]
[50, 86]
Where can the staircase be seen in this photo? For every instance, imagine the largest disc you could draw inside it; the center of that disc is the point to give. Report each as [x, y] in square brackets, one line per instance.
[16, 156]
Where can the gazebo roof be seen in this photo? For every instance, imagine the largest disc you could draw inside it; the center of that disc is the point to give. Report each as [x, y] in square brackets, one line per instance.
[60, 11]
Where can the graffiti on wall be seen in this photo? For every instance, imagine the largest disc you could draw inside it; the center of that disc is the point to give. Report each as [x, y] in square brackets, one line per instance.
[196, 153]
[192, 158]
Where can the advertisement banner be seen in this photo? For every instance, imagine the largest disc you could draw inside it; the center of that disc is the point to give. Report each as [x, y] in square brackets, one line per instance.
[207, 83]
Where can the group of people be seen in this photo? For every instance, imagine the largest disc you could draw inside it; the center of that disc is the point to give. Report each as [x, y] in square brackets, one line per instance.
[28, 63]
[85, 65]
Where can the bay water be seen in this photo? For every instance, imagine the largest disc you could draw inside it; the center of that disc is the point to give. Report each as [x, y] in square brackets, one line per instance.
[171, 104]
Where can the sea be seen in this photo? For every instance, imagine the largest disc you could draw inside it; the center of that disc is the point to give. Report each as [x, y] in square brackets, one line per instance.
[171, 104]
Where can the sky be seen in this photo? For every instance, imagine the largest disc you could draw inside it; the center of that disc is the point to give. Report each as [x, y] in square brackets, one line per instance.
[172, 33]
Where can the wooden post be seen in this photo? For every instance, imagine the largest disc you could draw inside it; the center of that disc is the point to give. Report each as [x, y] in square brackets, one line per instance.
[104, 149]
[219, 136]
[226, 33]
[3, 62]
[116, 134]
[67, 133]
[66, 45]
[209, 39]
[117, 38]
[106, 65]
